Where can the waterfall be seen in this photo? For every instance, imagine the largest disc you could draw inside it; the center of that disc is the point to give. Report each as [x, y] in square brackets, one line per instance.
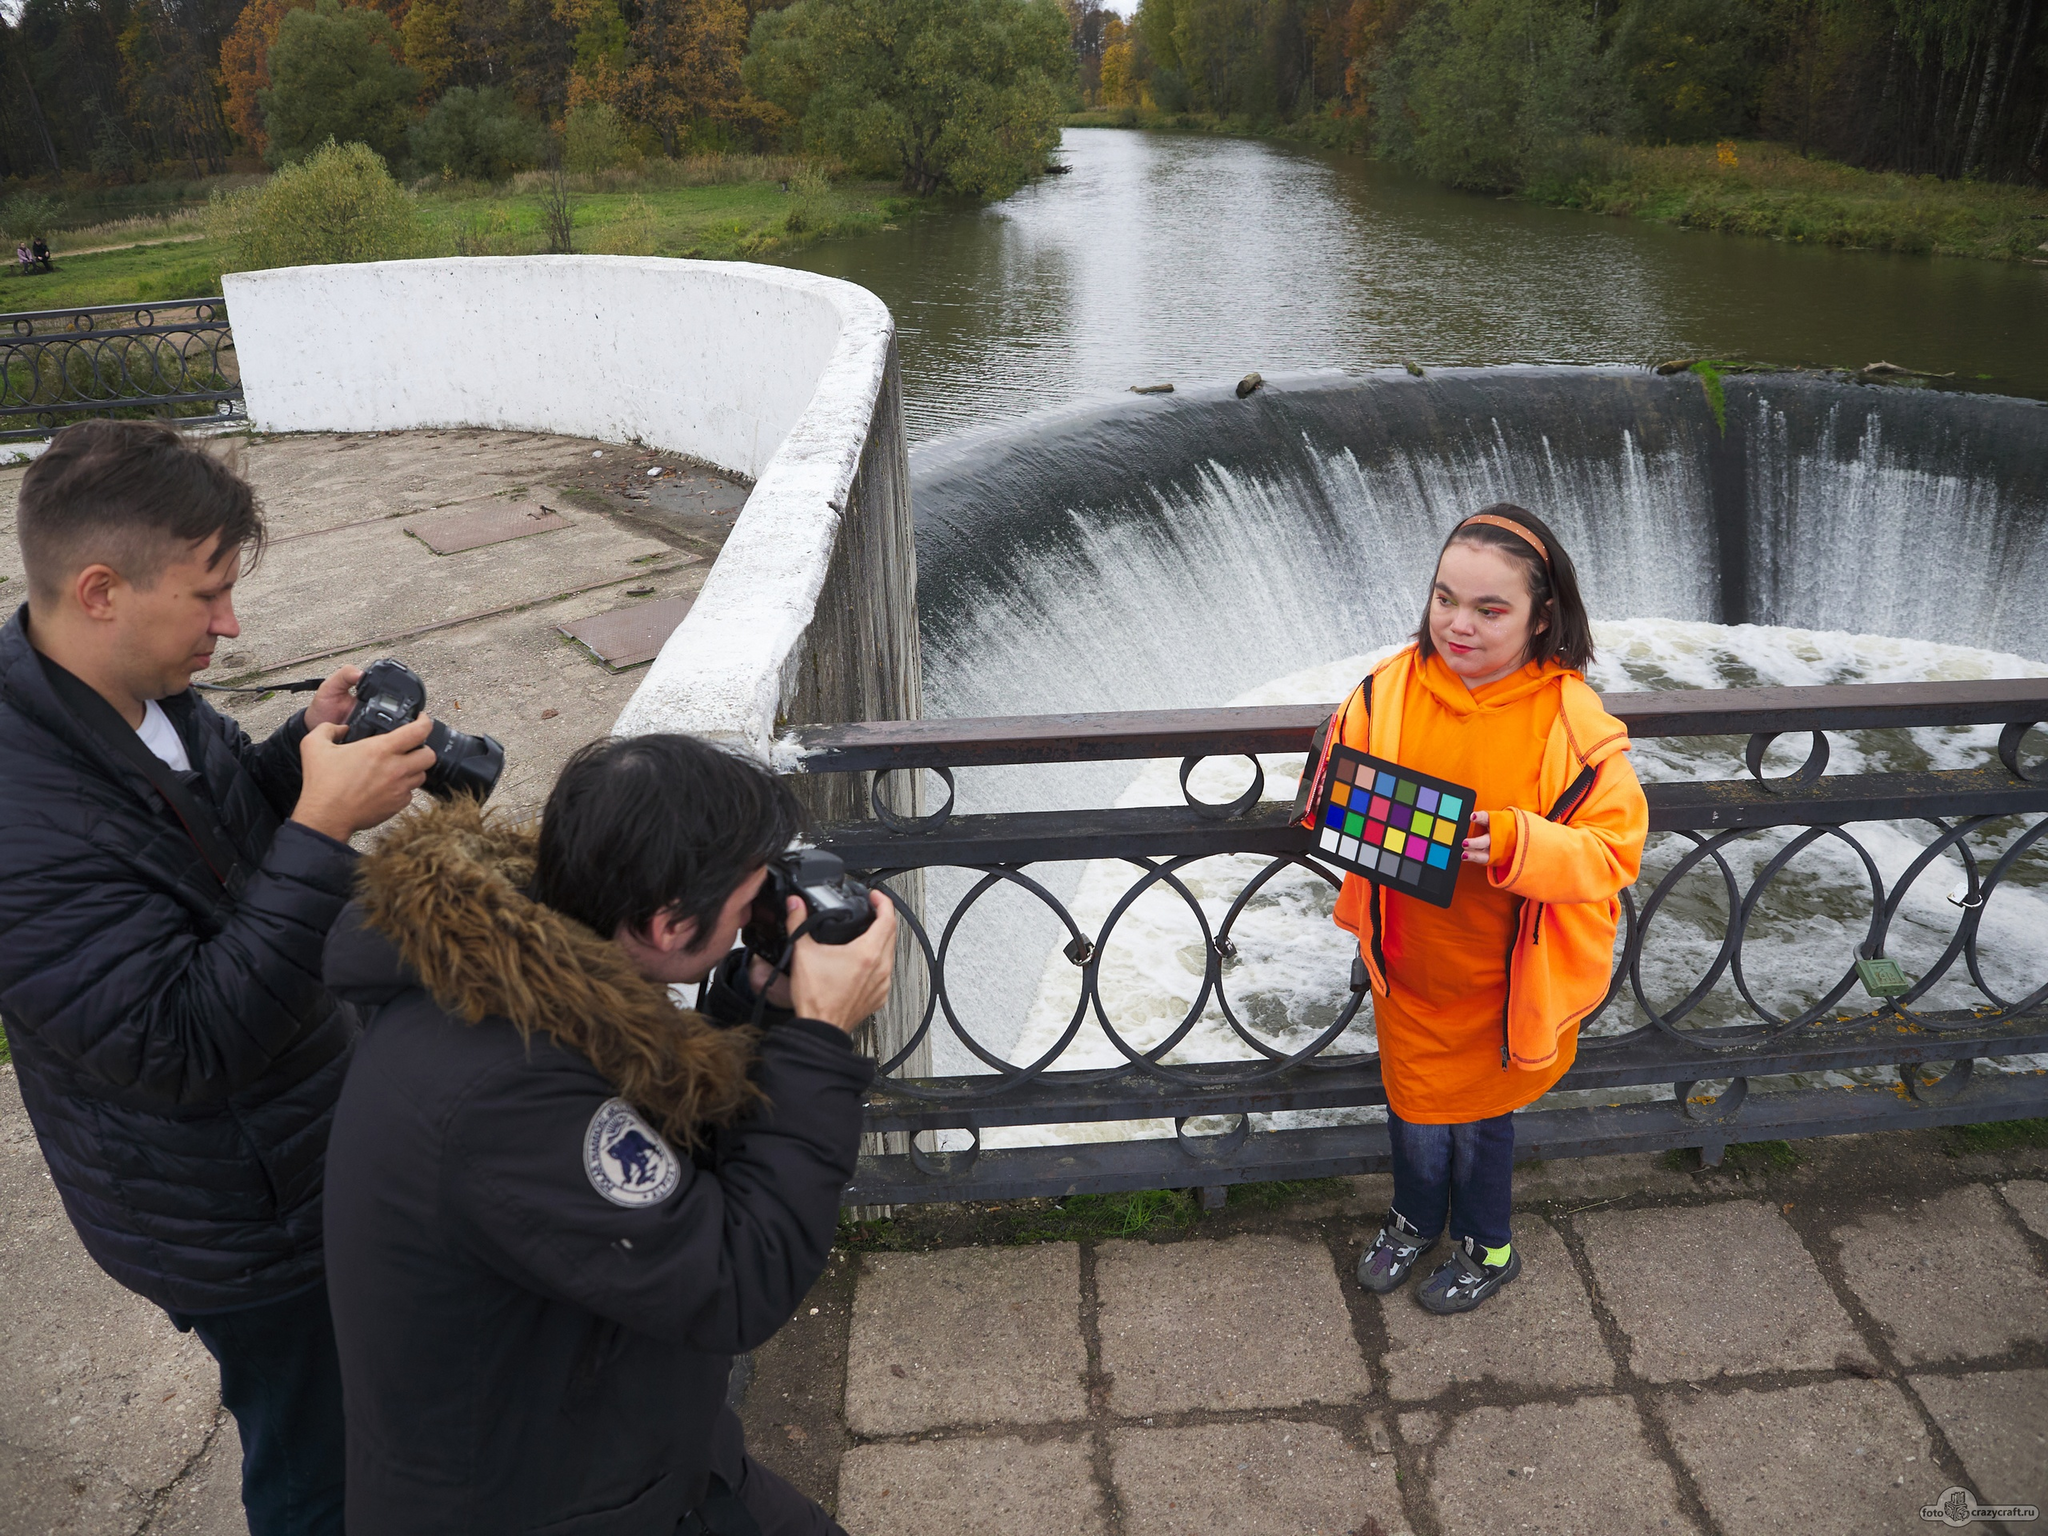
[1184, 550]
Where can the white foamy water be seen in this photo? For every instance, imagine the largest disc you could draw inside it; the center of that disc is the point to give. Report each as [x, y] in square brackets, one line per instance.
[1290, 974]
[1858, 533]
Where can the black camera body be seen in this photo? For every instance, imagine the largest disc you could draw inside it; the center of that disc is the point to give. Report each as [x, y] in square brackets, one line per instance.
[390, 694]
[835, 904]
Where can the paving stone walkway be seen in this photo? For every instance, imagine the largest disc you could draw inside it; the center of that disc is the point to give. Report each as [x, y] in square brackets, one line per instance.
[1824, 1348]
[1827, 1348]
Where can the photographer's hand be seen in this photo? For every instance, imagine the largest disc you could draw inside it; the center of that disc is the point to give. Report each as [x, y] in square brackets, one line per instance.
[842, 984]
[350, 786]
[333, 704]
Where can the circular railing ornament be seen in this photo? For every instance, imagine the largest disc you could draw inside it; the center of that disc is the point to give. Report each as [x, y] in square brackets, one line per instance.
[1719, 1110]
[1816, 761]
[930, 822]
[1210, 1147]
[1944, 1087]
[2009, 741]
[1227, 810]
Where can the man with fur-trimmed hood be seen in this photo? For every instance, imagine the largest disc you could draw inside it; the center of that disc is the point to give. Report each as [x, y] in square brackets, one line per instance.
[558, 1204]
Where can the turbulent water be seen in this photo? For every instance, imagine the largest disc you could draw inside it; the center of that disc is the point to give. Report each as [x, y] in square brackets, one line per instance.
[1202, 550]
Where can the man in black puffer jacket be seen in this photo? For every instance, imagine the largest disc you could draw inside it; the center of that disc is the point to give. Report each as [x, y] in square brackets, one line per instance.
[557, 1203]
[164, 898]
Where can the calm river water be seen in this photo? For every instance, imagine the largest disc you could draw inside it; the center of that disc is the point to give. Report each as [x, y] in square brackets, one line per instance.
[1194, 259]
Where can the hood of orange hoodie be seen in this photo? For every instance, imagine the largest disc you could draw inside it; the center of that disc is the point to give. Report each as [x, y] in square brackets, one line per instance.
[1450, 690]
[1589, 735]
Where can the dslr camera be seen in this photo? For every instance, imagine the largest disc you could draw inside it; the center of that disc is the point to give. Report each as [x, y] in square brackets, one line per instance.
[836, 906]
[390, 694]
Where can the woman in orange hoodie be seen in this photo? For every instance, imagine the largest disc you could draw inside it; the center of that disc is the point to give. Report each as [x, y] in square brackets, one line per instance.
[1477, 1005]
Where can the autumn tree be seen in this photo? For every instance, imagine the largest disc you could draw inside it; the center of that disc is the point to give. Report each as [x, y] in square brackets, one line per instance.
[952, 95]
[519, 46]
[245, 66]
[1118, 79]
[167, 86]
[684, 68]
[336, 74]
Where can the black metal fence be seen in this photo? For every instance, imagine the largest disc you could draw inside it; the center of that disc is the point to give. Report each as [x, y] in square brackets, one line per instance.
[1736, 1066]
[174, 359]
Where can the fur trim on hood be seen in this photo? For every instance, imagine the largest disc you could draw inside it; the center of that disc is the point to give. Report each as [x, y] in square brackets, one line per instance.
[447, 886]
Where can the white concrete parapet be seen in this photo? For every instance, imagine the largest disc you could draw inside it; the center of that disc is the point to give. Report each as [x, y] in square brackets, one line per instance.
[783, 377]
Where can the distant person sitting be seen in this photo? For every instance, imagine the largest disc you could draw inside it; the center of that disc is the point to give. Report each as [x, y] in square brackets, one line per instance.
[166, 887]
[40, 250]
[25, 259]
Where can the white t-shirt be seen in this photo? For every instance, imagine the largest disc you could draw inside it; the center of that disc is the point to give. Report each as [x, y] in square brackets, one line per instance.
[161, 737]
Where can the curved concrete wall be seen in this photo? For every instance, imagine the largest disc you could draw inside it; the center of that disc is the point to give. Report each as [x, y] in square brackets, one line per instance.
[784, 377]
[810, 612]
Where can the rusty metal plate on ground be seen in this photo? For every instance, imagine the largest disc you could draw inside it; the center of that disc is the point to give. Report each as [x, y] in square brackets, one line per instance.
[625, 637]
[472, 527]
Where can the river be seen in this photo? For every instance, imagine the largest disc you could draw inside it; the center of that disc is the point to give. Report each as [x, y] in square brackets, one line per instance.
[1184, 258]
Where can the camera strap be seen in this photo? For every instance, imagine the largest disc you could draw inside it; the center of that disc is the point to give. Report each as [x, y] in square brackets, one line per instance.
[780, 966]
[201, 822]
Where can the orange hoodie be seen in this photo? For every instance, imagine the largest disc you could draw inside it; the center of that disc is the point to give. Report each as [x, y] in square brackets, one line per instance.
[1500, 979]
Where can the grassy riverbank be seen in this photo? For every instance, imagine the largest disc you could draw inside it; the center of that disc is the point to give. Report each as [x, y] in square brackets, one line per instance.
[728, 208]
[1754, 188]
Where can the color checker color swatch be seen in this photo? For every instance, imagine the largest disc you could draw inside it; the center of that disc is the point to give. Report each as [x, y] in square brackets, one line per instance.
[1393, 825]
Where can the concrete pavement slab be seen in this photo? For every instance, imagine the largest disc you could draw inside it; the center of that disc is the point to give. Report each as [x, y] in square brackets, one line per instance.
[2030, 1198]
[1849, 1456]
[1254, 1321]
[1998, 1423]
[1582, 1468]
[1421, 1427]
[1537, 1332]
[1720, 1289]
[966, 1336]
[207, 1500]
[1272, 1478]
[946, 1487]
[1948, 1278]
[1571, 1179]
[102, 1401]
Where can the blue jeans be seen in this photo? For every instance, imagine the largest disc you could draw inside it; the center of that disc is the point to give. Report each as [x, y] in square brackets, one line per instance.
[281, 1379]
[1465, 1170]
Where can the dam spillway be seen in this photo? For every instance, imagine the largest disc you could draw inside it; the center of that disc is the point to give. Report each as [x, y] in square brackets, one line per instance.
[1195, 549]
[1179, 550]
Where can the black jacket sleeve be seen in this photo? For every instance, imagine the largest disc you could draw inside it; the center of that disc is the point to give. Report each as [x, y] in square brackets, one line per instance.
[273, 763]
[729, 996]
[719, 1264]
[109, 972]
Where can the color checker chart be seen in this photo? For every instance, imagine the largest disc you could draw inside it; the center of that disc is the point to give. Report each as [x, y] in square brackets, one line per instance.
[1393, 825]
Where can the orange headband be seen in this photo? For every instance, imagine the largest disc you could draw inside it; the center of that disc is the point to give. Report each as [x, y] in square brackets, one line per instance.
[1512, 527]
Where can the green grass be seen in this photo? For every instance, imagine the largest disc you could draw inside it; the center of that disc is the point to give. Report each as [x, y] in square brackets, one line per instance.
[1095, 1218]
[1995, 1136]
[621, 215]
[1739, 1157]
[1769, 189]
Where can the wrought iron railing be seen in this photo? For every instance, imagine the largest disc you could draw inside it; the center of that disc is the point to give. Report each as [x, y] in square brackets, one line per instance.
[1845, 1060]
[173, 359]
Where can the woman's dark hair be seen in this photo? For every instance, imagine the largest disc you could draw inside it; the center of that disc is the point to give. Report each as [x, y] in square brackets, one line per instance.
[1567, 637]
[640, 825]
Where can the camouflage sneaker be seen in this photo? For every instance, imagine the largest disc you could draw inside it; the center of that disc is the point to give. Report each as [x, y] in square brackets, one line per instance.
[1390, 1256]
[1465, 1279]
